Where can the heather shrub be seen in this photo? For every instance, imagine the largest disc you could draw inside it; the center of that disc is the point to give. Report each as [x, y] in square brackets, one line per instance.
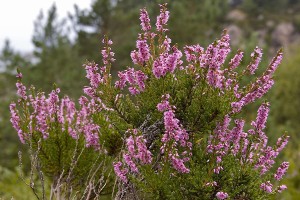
[168, 126]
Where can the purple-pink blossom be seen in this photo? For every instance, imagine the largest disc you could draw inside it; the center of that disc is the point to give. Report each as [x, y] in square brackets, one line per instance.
[281, 188]
[162, 18]
[262, 116]
[167, 63]
[262, 86]
[21, 90]
[142, 54]
[164, 104]
[281, 171]
[213, 59]
[107, 53]
[282, 142]
[175, 136]
[267, 187]
[92, 74]
[236, 60]
[145, 20]
[274, 63]
[143, 154]
[136, 153]
[256, 59]
[135, 80]
[15, 121]
[121, 172]
[130, 163]
[222, 195]
[193, 52]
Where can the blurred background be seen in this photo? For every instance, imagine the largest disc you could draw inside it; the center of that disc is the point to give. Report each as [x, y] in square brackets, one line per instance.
[49, 41]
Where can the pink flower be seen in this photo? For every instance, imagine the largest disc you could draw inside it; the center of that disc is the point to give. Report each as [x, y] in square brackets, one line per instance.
[143, 53]
[144, 155]
[275, 63]
[107, 54]
[193, 52]
[130, 145]
[281, 188]
[166, 63]
[282, 142]
[19, 75]
[214, 183]
[121, 173]
[218, 169]
[92, 74]
[145, 20]
[267, 187]
[281, 170]
[136, 151]
[162, 18]
[175, 136]
[130, 163]
[214, 57]
[178, 164]
[15, 120]
[256, 59]
[236, 60]
[262, 116]
[21, 90]
[135, 80]
[222, 195]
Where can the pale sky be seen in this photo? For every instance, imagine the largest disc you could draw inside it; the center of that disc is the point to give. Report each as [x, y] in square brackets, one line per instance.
[17, 17]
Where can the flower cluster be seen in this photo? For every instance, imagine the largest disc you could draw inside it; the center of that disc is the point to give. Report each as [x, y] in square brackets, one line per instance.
[84, 121]
[135, 80]
[281, 188]
[260, 87]
[193, 52]
[162, 19]
[175, 135]
[214, 58]
[236, 60]
[107, 54]
[167, 63]
[249, 147]
[93, 75]
[262, 116]
[267, 187]
[121, 172]
[136, 153]
[16, 122]
[256, 59]
[99, 75]
[45, 111]
[21, 89]
[222, 195]
[281, 171]
[142, 55]
[145, 20]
